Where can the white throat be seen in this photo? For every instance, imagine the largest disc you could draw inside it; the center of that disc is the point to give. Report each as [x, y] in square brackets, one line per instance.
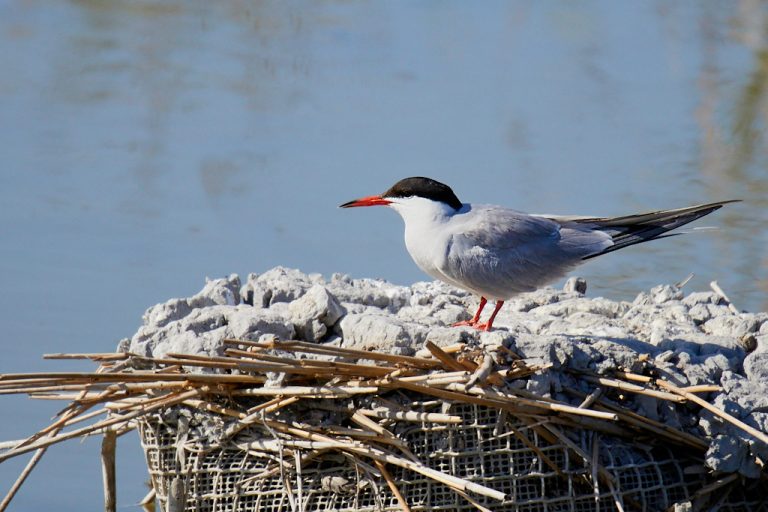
[426, 236]
[418, 210]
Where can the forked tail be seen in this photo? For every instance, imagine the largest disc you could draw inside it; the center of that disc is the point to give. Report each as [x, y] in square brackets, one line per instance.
[635, 229]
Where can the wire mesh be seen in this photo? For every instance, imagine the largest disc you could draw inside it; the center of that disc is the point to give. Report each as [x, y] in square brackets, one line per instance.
[490, 448]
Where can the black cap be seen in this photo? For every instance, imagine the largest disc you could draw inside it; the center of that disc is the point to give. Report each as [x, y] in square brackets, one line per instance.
[428, 188]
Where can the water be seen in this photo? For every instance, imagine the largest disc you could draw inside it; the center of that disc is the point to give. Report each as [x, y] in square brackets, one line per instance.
[147, 144]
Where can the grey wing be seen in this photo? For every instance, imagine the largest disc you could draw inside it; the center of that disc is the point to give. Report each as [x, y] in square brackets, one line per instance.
[502, 252]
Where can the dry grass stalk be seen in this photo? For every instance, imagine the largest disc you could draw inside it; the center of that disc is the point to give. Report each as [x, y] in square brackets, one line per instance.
[393, 486]
[448, 361]
[24, 474]
[633, 388]
[100, 357]
[601, 471]
[483, 373]
[541, 404]
[456, 347]
[633, 377]
[703, 388]
[134, 393]
[108, 445]
[385, 436]
[591, 398]
[716, 288]
[717, 484]
[527, 442]
[174, 400]
[308, 391]
[382, 456]
[312, 348]
[711, 408]
[653, 427]
[429, 417]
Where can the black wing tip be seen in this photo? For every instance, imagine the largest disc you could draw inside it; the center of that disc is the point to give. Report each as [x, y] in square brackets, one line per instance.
[720, 204]
[694, 212]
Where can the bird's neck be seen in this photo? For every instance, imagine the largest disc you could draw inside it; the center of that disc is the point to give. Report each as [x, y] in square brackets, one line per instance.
[427, 232]
[421, 214]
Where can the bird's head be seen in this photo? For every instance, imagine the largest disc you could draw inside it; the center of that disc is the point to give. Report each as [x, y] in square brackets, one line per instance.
[413, 194]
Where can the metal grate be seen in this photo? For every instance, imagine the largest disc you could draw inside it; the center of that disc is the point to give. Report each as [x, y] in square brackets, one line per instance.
[491, 448]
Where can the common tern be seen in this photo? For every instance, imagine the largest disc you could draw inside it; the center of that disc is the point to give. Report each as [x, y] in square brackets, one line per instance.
[496, 252]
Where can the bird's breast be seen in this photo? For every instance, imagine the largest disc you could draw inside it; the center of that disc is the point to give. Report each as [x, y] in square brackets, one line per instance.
[429, 250]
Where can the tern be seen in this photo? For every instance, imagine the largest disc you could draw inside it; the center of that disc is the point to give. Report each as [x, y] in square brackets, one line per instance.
[497, 252]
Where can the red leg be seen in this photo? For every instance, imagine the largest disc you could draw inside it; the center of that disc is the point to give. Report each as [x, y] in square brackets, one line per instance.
[476, 318]
[487, 326]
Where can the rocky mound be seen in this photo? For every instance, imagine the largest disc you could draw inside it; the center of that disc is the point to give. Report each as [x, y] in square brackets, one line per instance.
[688, 340]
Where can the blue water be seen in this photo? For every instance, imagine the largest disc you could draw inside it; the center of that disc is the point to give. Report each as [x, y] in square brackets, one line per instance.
[148, 144]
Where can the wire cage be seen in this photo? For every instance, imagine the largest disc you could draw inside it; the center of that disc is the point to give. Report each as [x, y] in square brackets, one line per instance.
[489, 447]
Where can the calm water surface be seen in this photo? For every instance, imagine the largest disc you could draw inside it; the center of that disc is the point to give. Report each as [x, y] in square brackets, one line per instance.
[148, 144]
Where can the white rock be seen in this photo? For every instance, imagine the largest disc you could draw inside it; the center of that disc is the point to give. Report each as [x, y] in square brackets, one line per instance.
[575, 284]
[169, 311]
[370, 292]
[695, 298]
[379, 332]
[209, 343]
[314, 312]
[665, 293]
[223, 292]
[445, 336]
[700, 313]
[732, 325]
[756, 366]
[280, 284]
[248, 323]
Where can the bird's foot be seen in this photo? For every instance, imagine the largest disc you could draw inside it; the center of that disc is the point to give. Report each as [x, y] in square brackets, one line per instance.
[485, 326]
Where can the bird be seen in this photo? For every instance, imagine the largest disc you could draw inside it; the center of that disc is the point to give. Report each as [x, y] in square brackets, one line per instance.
[497, 252]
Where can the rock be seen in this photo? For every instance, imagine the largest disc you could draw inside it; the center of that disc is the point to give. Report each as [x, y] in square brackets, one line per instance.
[576, 284]
[248, 323]
[665, 293]
[749, 342]
[588, 324]
[124, 345]
[703, 370]
[700, 313]
[208, 343]
[425, 292]
[731, 325]
[371, 292]
[169, 311]
[378, 332]
[446, 336]
[701, 298]
[598, 306]
[494, 339]
[223, 292]
[314, 312]
[253, 294]
[756, 366]
[726, 454]
[608, 354]
[279, 284]
[440, 309]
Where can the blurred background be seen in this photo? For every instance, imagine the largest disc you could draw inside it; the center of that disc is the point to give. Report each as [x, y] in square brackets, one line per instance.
[148, 144]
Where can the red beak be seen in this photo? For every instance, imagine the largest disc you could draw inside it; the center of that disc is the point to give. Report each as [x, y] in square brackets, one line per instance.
[367, 201]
